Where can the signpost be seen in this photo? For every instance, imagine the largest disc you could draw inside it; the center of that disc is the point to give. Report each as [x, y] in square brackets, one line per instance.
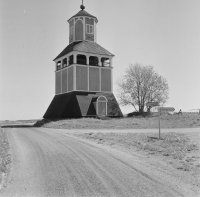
[152, 104]
[163, 109]
[160, 109]
[166, 109]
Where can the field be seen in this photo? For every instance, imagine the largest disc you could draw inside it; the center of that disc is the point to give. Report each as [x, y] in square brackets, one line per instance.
[176, 148]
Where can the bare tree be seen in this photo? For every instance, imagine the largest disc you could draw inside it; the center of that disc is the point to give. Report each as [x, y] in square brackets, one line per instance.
[141, 84]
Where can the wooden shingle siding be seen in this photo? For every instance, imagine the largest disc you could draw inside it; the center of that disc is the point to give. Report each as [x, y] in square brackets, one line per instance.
[94, 79]
[58, 82]
[64, 81]
[89, 21]
[106, 80]
[71, 39]
[81, 78]
[71, 23]
[70, 79]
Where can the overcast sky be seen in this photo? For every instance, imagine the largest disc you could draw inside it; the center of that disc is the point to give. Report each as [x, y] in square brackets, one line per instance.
[161, 33]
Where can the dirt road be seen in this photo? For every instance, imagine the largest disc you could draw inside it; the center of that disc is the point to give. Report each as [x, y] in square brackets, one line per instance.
[47, 162]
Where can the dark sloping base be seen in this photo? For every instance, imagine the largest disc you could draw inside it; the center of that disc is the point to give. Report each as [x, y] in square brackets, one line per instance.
[86, 106]
[79, 104]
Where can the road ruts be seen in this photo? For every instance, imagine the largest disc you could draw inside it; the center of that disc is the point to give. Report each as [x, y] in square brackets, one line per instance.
[47, 163]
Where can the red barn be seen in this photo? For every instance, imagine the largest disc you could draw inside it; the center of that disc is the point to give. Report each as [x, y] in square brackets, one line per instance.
[83, 74]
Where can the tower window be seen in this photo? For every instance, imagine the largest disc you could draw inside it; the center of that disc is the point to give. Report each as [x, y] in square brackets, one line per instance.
[59, 65]
[81, 59]
[71, 60]
[105, 61]
[64, 63]
[89, 29]
[93, 61]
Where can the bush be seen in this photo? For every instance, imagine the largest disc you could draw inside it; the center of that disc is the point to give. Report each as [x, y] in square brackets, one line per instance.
[137, 114]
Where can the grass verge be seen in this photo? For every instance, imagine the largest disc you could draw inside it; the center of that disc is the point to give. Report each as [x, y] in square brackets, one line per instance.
[5, 158]
[176, 148]
[186, 120]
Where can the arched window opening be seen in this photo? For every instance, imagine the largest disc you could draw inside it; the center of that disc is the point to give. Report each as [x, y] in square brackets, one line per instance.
[58, 66]
[81, 59]
[93, 61]
[64, 63]
[71, 60]
[79, 30]
[105, 62]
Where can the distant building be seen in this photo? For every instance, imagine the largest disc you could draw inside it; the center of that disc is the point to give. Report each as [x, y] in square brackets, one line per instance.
[83, 74]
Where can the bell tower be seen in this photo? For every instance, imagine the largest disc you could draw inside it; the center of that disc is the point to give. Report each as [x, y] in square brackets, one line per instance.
[83, 74]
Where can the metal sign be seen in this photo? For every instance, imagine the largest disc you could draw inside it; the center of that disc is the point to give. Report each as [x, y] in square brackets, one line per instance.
[166, 109]
[152, 104]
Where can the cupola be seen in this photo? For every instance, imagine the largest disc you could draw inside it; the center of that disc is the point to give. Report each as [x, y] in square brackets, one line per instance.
[82, 26]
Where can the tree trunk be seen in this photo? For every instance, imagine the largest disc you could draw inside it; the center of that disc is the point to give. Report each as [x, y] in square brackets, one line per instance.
[141, 110]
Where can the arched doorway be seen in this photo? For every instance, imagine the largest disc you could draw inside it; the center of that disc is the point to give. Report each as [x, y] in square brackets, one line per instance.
[101, 106]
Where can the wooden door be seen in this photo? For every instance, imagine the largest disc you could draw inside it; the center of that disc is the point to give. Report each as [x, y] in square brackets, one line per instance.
[102, 108]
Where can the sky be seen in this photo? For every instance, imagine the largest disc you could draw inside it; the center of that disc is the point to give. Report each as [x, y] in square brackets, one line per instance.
[162, 33]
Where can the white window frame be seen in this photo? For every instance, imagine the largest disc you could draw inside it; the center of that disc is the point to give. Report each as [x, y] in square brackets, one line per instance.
[91, 29]
[97, 103]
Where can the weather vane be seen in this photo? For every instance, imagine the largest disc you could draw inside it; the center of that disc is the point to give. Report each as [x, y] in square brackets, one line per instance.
[82, 6]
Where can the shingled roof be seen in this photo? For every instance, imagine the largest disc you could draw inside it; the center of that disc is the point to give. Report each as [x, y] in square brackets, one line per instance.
[83, 13]
[84, 46]
[67, 50]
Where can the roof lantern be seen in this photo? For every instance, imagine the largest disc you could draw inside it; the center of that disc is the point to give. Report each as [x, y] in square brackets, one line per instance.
[82, 26]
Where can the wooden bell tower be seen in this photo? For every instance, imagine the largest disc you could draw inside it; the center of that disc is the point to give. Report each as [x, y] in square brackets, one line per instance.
[83, 74]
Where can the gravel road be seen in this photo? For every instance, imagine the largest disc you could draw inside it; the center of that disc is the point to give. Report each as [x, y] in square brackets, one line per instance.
[48, 162]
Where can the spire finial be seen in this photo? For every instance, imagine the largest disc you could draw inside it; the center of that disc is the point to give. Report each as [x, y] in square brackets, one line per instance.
[82, 6]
